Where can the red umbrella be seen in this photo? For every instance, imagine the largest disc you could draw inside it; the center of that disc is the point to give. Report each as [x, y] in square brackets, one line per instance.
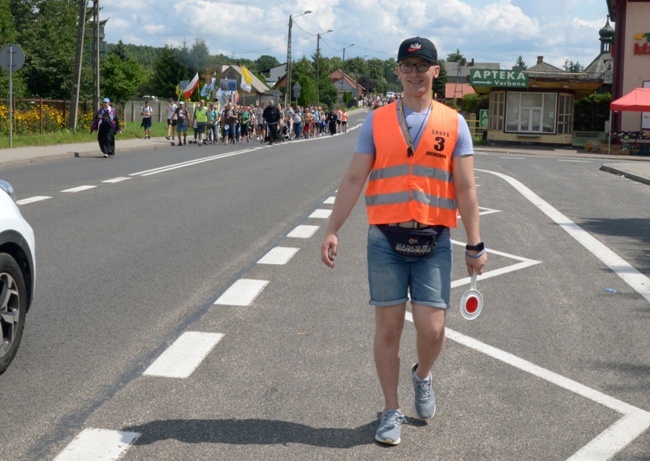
[637, 100]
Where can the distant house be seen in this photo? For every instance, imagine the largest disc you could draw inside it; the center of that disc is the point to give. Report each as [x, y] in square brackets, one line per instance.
[346, 84]
[259, 91]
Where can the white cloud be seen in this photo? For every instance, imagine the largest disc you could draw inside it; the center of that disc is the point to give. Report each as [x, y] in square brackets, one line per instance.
[488, 30]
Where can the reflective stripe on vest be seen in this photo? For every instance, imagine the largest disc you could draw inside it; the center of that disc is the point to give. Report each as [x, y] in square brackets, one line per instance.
[402, 188]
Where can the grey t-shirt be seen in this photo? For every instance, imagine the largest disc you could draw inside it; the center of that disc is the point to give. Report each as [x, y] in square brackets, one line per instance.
[414, 122]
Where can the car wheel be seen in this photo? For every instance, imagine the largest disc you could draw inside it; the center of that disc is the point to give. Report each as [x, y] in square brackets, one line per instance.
[13, 306]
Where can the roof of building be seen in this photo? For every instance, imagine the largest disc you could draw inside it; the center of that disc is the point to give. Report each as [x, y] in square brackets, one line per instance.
[456, 90]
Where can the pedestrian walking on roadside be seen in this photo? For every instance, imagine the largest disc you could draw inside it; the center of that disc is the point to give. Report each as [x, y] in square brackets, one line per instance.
[182, 117]
[146, 111]
[171, 119]
[107, 123]
[201, 120]
[344, 120]
[272, 116]
[213, 124]
[417, 157]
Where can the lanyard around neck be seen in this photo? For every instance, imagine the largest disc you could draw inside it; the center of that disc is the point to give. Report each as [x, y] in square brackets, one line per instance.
[405, 129]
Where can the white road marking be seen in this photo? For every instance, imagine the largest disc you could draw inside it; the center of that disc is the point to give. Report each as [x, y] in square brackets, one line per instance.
[185, 355]
[242, 293]
[524, 263]
[278, 256]
[575, 161]
[79, 189]
[176, 166]
[321, 214]
[635, 421]
[514, 158]
[635, 279]
[36, 198]
[330, 201]
[303, 232]
[116, 180]
[98, 445]
[606, 445]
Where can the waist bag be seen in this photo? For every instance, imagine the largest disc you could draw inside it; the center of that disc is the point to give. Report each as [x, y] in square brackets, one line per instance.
[412, 242]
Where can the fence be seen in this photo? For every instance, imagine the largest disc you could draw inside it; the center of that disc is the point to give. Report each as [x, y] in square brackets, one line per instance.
[581, 138]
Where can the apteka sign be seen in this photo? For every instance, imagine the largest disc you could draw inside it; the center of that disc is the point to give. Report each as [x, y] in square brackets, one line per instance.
[490, 77]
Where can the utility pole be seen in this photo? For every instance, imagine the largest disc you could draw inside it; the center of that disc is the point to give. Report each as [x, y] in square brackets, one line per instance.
[96, 50]
[74, 97]
[318, 36]
[287, 89]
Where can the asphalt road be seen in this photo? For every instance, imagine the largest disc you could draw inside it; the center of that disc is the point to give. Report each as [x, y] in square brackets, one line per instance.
[555, 366]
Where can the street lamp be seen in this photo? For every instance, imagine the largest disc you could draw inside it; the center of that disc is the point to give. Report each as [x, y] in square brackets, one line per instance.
[318, 35]
[287, 88]
[349, 46]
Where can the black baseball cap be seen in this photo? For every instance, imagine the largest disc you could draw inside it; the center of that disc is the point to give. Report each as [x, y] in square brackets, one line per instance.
[418, 46]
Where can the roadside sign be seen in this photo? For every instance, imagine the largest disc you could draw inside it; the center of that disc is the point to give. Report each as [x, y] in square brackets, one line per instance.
[483, 118]
[500, 78]
[12, 58]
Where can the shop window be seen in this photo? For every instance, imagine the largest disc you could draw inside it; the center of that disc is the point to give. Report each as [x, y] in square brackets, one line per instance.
[497, 109]
[531, 113]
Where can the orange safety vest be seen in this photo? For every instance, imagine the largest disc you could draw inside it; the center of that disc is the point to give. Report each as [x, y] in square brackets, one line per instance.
[420, 187]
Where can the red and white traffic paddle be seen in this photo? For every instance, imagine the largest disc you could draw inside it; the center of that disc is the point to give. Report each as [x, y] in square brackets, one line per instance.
[471, 303]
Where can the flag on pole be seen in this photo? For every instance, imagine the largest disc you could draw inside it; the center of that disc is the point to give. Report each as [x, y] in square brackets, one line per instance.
[246, 80]
[187, 92]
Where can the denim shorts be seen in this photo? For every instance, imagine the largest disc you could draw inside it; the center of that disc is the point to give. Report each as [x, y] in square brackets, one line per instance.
[392, 277]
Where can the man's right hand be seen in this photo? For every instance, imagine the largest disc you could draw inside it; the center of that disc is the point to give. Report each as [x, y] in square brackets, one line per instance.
[328, 249]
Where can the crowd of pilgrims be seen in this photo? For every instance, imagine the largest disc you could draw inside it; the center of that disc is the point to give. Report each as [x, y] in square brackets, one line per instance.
[240, 124]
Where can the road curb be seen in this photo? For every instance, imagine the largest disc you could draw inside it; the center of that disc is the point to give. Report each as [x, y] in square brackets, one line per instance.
[625, 174]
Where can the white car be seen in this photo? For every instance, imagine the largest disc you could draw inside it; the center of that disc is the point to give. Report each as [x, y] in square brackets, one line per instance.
[17, 273]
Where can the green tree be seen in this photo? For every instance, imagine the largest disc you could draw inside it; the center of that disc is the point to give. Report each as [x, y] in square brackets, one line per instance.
[591, 112]
[329, 95]
[44, 28]
[307, 91]
[120, 76]
[457, 57]
[199, 56]
[574, 67]
[520, 64]
[8, 35]
[168, 72]
[266, 62]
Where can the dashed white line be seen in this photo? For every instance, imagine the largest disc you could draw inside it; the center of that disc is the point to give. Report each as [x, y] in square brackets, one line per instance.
[36, 198]
[185, 355]
[321, 214]
[242, 293]
[330, 201]
[78, 189]
[115, 180]
[303, 232]
[278, 256]
[98, 444]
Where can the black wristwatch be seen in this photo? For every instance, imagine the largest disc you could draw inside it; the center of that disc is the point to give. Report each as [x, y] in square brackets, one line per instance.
[480, 246]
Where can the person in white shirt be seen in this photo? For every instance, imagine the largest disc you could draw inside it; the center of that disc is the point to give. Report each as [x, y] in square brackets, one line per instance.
[146, 111]
[171, 120]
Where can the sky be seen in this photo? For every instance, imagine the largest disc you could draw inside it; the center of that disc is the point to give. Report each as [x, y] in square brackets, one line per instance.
[495, 31]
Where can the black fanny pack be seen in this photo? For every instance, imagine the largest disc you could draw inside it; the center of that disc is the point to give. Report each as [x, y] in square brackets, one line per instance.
[412, 242]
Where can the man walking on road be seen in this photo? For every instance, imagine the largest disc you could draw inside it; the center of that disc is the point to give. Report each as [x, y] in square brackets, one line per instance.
[417, 156]
[272, 116]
